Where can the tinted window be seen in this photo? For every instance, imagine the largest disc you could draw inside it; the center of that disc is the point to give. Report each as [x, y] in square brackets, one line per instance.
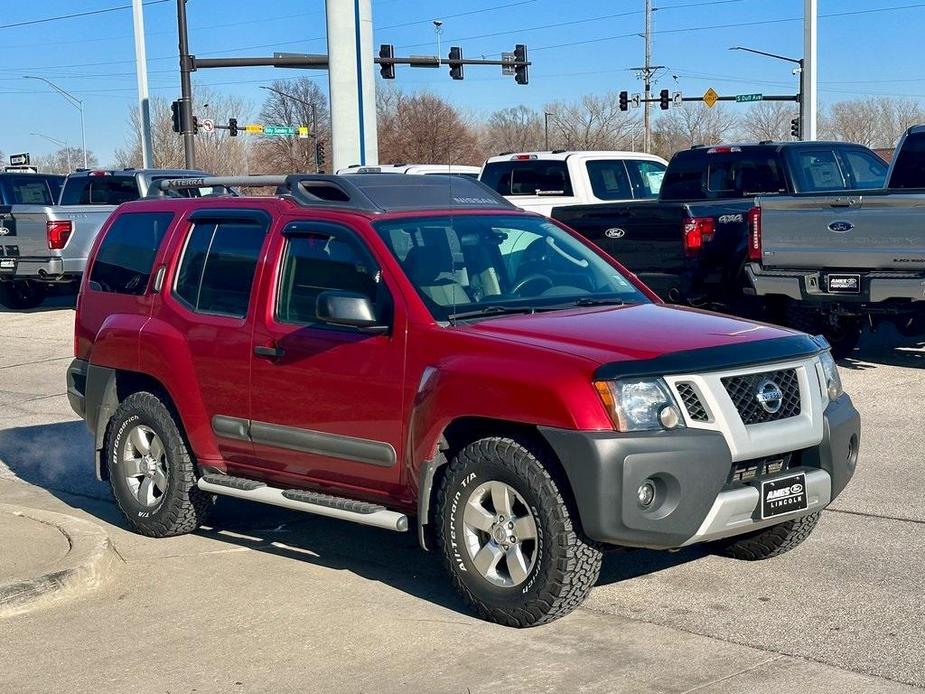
[529, 177]
[609, 180]
[99, 190]
[217, 269]
[646, 177]
[731, 173]
[321, 258]
[33, 190]
[866, 168]
[817, 170]
[124, 259]
[909, 167]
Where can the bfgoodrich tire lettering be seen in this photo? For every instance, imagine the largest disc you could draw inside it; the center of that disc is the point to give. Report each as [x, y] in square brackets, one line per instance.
[563, 567]
[177, 505]
[770, 542]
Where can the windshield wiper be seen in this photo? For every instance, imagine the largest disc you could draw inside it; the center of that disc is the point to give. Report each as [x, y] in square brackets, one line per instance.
[588, 301]
[493, 310]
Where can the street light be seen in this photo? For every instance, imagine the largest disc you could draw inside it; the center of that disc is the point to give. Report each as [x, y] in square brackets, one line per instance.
[796, 61]
[305, 103]
[73, 101]
[67, 150]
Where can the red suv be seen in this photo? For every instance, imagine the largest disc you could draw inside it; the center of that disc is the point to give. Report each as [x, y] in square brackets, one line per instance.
[422, 356]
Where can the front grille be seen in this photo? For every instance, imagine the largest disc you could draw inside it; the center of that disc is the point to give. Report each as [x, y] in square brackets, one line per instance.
[744, 391]
[748, 470]
[692, 403]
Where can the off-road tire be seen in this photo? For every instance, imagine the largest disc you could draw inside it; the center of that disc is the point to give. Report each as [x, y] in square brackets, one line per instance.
[770, 542]
[19, 295]
[566, 565]
[843, 337]
[183, 507]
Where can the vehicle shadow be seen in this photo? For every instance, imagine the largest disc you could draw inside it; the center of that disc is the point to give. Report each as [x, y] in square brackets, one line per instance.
[59, 458]
[54, 302]
[886, 347]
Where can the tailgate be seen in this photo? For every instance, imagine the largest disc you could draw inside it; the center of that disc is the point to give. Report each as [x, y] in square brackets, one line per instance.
[25, 231]
[866, 231]
[86, 220]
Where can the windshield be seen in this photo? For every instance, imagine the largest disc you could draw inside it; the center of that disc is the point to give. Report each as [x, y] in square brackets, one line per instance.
[493, 264]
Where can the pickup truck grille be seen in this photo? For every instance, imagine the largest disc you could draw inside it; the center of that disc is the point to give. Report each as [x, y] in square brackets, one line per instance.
[745, 393]
[695, 409]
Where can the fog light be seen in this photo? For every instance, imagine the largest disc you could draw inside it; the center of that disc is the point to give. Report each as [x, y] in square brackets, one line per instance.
[668, 417]
[646, 493]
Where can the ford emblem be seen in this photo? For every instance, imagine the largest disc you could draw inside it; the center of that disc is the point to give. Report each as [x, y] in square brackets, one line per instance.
[841, 226]
[615, 233]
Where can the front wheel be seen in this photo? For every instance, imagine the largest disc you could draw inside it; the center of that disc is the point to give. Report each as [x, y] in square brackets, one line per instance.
[770, 542]
[19, 295]
[508, 539]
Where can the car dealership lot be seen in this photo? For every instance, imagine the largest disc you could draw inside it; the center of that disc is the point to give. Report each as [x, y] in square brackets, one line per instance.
[271, 600]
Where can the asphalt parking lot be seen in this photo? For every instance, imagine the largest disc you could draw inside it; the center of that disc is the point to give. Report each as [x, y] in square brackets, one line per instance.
[269, 600]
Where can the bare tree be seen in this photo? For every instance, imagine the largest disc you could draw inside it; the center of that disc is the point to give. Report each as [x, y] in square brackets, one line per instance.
[64, 160]
[874, 121]
[594, 122]
[691, 124]
[425, 129]
[216, 153]
[768, 120]
[304, 104]
[515, 129]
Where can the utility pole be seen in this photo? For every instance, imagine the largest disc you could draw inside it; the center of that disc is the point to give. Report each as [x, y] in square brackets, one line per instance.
[186, 88]
[808, 72]
[141, 69]
[647, 76]
[546, 116]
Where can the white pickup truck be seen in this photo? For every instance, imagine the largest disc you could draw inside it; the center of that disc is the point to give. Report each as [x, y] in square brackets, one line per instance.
[540, 181]
[47, 244]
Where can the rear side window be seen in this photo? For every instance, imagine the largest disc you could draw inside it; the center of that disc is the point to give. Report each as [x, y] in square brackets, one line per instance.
[703, 174]
[528, 177]
[866, 168]
[99, 190]
[609, 180]
[909, 168]
[33, 190]
[817, 170]
[646, 177]
[218, 265]
[125, 256]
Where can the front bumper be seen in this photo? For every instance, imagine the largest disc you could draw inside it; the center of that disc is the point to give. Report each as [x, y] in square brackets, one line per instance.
[691, 469]
[809, 286]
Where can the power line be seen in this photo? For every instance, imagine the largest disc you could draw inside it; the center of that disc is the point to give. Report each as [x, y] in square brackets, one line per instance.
[73, 15]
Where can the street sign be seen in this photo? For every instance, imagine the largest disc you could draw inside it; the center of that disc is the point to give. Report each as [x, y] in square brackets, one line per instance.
[744, 98]
[507, 64]
[19, 159]
[207, 125]
[677, 99]
[303, 132]
[253, 129]
[636, 100]
[287, 130]
[709, 97]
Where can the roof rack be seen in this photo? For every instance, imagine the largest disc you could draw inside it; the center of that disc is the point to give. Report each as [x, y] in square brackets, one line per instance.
[374, 194]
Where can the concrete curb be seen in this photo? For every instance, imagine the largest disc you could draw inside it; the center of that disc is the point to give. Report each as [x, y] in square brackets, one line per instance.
[88, 563]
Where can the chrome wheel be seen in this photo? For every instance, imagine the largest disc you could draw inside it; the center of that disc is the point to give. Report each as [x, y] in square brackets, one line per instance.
[500, 534]
[144, 465]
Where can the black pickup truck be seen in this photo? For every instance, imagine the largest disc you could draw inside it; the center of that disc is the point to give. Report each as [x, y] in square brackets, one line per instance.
[690, 244]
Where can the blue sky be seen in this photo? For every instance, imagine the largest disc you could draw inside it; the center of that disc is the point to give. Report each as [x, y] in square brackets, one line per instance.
[577, 47]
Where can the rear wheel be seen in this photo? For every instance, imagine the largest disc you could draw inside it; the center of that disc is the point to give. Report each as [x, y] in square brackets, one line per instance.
[507, 536]
[22, 294]
[770, 542]
[152, 475]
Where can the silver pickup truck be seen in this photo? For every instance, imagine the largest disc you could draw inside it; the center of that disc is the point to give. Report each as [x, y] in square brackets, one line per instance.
[49, 243]
[831, 263]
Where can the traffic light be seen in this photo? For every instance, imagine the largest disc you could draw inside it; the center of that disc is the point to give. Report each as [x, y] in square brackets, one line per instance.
[624, 101]
[456, 69]
[233, 127]
[663, 99]
[521, 74]
[175, 114]
[319, 155]
[387, 70]
[195, 125]
[795, 127]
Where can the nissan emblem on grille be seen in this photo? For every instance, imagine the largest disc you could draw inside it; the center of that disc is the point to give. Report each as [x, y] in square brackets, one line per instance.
[769, 396]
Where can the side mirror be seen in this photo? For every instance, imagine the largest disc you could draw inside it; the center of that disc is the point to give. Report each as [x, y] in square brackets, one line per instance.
[348, 309]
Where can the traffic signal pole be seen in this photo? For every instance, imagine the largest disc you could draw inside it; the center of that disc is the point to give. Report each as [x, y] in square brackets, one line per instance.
[186, 89]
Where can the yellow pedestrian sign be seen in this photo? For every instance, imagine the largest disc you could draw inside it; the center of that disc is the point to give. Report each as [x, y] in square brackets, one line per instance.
[253, 129]
[709, 97]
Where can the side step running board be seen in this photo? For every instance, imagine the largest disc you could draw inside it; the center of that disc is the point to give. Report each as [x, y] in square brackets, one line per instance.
[307, 501]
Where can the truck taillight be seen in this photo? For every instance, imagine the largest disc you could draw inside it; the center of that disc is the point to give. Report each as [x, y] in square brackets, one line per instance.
[58, 232]
[754, 233]
[696, 231]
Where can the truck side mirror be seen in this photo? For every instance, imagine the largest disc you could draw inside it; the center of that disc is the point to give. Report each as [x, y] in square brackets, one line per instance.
[348, 309]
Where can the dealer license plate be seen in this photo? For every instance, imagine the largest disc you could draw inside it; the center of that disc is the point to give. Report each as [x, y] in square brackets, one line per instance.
[783, 495]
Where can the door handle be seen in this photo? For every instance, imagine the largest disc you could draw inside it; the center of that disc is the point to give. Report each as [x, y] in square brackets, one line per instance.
[843, 202]
[270, 352]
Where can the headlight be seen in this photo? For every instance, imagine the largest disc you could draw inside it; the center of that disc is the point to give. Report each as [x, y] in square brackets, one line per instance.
[640, 405]
[832, 383]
